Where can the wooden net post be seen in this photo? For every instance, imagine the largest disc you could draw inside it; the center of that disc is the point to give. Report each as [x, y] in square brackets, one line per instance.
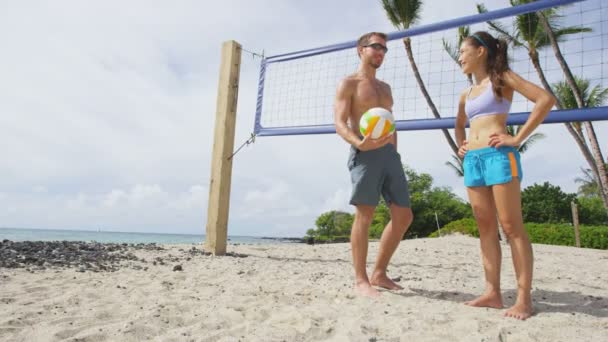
[223, 145]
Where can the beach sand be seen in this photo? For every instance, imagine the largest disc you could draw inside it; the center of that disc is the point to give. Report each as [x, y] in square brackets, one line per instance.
[298, 292]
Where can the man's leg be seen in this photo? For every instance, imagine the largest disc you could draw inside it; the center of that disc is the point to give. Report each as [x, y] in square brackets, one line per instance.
[401, 218]
[359, 241]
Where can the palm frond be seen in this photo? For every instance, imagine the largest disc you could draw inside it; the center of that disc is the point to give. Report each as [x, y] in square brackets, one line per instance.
[597, 97]
[512, 130]
[454, 51]
[392, 14]
[495, 26]
[562, 32]
[454, 54]
[463, 32]
[456, 165]
[402, 13]
[588, 184]
[532, 139]
[527, 27]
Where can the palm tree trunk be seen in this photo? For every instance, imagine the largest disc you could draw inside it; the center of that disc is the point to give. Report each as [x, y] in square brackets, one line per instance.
[595, 146]
[535, 61]
[561, 60]
[408, 48]
[580, 140]
[599, 161]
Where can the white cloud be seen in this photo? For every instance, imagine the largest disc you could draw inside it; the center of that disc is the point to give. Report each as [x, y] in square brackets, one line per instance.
[338, 201]
[114, 198]
[143, 207]
[108, 115]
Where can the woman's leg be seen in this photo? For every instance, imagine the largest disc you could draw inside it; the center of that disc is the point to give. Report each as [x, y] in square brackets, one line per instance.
[482, 202]
[508, 203]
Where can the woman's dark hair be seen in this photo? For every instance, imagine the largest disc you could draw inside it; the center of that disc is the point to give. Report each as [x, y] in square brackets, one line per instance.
[497, 63]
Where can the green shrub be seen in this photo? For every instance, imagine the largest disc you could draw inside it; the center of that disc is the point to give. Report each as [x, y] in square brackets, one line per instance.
[331, 239]
[563, 235]
[543, 233]
[466, 226]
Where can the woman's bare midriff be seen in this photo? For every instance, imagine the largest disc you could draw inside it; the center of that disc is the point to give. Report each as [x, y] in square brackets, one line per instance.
[482, 127]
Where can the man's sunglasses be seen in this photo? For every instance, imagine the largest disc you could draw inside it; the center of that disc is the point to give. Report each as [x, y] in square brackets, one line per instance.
[377, 47]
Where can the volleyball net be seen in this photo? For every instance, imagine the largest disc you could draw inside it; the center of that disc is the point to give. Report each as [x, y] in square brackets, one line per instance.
[296, 90]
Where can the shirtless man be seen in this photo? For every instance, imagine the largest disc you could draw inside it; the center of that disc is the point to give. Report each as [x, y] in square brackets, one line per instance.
[374, 165]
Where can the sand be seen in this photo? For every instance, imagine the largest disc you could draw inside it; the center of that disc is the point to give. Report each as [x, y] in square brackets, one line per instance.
[298, 292]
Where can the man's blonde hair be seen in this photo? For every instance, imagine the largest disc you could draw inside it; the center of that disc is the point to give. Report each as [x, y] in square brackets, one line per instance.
[364, 39]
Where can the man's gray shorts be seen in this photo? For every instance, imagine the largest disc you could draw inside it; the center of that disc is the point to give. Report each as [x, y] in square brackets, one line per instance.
[378, 172]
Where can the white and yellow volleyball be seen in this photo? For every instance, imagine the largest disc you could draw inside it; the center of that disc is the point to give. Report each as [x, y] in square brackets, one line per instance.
[377, 121]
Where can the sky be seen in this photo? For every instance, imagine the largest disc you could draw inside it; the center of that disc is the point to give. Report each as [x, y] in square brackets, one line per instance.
[107, 112]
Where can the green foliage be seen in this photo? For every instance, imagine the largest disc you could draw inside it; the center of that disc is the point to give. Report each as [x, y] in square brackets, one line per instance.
[382, 216]
[591, 211]
[528, 31]
[543, 233]
[426, 200]
[546, 204]
[466, 226]
[402, 13]
[592, 96]
[588, 184]
[332, 225]
[563, 234]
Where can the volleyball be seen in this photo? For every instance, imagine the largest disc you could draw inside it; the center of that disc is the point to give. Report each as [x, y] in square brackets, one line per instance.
[377, 121]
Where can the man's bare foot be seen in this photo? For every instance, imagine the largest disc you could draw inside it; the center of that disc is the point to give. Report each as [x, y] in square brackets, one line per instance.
[521, 310]
[381, 280]
[366, 290]
[487, 300]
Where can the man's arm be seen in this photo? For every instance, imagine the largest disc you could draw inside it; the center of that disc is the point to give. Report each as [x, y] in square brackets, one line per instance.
[342, 110]
[394, 135]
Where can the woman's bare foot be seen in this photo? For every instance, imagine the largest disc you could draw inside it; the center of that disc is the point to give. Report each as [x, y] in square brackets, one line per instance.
[487, 300]
[522, 309]
[382, 280]
[366, 290]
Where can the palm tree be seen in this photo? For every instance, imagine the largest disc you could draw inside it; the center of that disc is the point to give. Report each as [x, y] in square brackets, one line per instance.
[594, 97]
[577, 91]
[403, 14]
[530, 34]
[587, 97]
[588, 184]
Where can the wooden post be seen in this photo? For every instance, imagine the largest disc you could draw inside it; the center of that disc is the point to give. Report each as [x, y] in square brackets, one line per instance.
[577, 234]
[437, 221]
[223, 145]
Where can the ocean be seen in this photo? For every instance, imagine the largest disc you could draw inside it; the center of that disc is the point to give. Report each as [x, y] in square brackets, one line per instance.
[26, 234]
